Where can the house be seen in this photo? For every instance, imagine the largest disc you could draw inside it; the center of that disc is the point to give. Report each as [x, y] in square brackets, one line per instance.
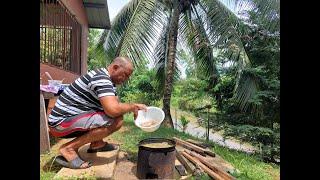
[64, 29]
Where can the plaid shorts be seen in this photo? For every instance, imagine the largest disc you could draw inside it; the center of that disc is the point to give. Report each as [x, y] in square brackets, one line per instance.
[80, 124]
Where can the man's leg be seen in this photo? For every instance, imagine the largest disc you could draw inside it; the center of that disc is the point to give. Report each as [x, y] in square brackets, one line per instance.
[100, 143]
[70, 149]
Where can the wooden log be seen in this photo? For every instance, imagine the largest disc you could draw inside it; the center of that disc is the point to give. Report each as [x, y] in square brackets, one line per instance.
[183, 161]
[181, 170]
[196, 143]
[189, 146]
[215, 168]
[193, 147]
[192, 169]
[204, 167]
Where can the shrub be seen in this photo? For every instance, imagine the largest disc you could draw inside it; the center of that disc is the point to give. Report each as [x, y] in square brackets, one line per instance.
[184, 123]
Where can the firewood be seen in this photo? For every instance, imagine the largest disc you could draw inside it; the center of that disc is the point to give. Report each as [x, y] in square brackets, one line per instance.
[181, 170]
[215, 168]
[193, 147]
[204, 167]
[197, 143]
[184, 162]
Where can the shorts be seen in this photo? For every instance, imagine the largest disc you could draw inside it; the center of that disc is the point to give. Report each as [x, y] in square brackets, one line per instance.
[78, 125]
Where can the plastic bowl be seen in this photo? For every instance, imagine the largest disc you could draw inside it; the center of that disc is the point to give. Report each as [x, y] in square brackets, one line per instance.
[152, 113]
[54, 82]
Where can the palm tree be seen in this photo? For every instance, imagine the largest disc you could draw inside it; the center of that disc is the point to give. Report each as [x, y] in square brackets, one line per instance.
[202, 26]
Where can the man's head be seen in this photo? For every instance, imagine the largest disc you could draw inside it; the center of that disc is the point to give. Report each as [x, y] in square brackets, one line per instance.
[120, 70]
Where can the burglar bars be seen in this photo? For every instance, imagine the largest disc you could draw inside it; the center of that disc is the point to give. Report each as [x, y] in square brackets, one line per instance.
[60, 35]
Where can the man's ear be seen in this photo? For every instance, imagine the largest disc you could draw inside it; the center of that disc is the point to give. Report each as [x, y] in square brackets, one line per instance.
[115, 67]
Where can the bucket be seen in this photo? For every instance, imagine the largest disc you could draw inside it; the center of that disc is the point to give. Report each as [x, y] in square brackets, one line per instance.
[156, 162]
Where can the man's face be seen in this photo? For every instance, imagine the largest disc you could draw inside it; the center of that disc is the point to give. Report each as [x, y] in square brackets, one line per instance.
[120, 74]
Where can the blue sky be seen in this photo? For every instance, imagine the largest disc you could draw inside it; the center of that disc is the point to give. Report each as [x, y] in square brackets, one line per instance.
[114, 6]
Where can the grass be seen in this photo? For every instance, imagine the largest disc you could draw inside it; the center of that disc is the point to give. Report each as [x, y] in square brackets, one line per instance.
[48, 169]
[250, 166]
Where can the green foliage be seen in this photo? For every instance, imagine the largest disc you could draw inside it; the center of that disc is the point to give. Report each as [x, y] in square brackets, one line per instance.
[141, 88]
[184, 122]
[96, 57]
[191, 93]
[265, 138]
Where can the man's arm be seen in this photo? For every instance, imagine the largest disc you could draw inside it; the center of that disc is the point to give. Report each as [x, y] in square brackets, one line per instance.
[113, 108]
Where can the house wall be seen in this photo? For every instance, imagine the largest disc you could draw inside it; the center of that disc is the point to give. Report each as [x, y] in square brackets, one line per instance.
[76, 8]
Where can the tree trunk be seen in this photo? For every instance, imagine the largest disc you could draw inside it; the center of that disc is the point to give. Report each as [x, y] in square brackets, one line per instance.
[171, 55]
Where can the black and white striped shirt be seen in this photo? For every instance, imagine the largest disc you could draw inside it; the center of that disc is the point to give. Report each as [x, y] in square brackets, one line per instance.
[82, 96]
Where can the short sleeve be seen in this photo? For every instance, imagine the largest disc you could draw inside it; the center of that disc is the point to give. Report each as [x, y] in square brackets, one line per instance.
[102, 85]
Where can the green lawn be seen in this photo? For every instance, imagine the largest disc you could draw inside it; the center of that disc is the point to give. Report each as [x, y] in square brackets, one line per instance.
[249, 165]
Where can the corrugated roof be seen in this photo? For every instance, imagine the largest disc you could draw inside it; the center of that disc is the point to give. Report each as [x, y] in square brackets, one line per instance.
[98, 14]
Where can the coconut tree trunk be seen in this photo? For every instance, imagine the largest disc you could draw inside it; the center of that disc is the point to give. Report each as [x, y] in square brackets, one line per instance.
[171, 55]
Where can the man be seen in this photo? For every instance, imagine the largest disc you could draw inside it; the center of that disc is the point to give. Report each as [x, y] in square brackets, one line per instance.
[89, 110]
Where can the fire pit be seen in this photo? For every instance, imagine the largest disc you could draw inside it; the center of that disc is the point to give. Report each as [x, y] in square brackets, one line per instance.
[156, 158]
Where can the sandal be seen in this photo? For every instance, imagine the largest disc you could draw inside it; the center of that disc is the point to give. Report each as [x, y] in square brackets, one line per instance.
[107, 147]
[73, 164]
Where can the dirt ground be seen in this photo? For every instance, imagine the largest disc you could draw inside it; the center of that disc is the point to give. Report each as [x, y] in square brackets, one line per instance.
[125, 169]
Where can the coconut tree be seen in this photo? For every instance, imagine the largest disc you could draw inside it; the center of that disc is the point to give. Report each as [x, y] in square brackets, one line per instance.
[155, 27]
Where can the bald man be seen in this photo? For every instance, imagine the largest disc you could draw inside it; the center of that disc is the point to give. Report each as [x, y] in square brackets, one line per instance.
[89, 110]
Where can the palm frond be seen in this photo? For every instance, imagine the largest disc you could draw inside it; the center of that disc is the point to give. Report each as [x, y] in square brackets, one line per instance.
[223, 31]
[269, 13]
[133, 30]
[247, 88]
[195, 37]
[100, 52]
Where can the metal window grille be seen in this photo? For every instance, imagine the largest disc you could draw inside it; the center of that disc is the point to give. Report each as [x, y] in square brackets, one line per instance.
[60, 36]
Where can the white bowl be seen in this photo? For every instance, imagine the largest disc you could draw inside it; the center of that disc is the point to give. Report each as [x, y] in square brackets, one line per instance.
[152, 113]
[54, 82]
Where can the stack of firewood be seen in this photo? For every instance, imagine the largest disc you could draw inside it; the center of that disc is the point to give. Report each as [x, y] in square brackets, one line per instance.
[196, 159]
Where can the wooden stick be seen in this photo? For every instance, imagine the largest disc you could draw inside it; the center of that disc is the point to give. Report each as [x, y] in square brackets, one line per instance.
[183, 161]
[193, 147]
[215, 168]
[196, 143]
[194, 170]
[189, 145]
[204, 167]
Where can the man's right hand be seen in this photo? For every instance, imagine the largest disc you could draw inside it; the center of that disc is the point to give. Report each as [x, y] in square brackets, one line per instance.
[138, 107]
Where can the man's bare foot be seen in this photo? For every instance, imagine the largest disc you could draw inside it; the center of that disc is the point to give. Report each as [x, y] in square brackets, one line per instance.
[70, 154]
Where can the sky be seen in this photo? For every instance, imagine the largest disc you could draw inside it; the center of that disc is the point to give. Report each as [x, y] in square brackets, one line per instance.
[114, 6]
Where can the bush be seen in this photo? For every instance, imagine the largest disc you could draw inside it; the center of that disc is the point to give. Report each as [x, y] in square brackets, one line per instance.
[267, 139]
[184, 122]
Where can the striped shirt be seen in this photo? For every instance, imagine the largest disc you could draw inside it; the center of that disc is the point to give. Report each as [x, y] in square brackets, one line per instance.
[82, 96]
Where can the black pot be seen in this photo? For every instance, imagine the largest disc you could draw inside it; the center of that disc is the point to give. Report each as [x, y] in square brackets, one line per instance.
[156, 163]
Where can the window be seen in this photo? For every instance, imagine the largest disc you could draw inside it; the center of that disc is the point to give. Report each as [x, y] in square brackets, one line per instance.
[60, 36]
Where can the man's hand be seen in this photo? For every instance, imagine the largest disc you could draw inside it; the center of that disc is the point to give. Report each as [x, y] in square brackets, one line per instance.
[138, 107]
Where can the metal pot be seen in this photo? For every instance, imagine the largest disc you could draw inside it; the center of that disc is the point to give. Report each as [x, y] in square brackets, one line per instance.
[156, 163]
